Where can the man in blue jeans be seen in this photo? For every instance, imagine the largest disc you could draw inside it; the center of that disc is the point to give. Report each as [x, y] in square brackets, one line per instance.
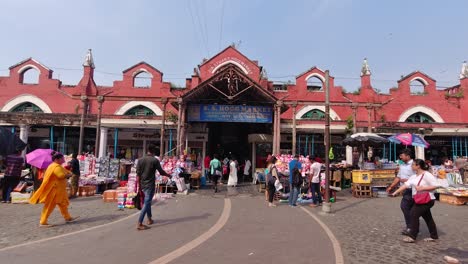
[294, 190]
[146, 170]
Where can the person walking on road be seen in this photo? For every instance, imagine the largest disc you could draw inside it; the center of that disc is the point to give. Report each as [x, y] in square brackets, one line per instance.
[146, 177]
[315, 170]
[75, 169]
[422, 182]
[53, 191]
[295, 168]
[232, 181]
[271, 177]
[404, 173]
[14, 164]
[216, 170]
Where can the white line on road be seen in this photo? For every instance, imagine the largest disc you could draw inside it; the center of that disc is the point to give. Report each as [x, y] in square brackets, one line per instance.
[69, 234]
[199, 240]
[336, 245]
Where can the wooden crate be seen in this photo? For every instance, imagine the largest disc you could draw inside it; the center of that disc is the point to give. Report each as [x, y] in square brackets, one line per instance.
[88, 190]
[451, 199]
[361, 190]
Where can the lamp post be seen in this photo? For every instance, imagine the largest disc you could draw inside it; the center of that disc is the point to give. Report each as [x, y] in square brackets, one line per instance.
[326, 207]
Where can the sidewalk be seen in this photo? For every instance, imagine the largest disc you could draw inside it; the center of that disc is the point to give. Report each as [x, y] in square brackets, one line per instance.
[369, 231]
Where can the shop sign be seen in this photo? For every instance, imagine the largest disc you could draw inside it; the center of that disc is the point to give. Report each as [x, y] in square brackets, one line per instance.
[129, 135]
[227, 59]
[230, 113]
[197, 137]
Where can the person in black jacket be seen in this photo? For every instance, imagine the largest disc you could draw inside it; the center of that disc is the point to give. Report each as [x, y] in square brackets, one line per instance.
[146, 177]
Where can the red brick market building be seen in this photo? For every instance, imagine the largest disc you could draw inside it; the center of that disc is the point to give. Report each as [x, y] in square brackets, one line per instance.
[227, 105]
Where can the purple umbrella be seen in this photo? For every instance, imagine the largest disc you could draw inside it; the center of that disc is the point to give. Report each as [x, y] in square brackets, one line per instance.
[40, 158]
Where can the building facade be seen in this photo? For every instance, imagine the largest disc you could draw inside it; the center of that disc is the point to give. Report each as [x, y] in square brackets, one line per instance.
[227, 106]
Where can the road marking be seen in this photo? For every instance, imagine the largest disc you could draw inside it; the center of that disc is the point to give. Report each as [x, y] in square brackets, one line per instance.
[70, 234]
[336, 245]
[199, 240]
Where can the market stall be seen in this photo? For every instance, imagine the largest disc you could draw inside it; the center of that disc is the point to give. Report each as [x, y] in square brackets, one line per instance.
[374, 175]
[454, 178]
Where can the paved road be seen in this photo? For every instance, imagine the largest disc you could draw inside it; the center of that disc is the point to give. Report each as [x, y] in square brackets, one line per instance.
[367, 230]
[253, 233]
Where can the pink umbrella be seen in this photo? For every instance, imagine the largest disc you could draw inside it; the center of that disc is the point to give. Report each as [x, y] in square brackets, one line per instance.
[408, 139]
[40, 158]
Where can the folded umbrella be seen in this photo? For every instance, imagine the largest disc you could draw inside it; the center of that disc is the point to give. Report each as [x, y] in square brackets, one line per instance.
[40, 158]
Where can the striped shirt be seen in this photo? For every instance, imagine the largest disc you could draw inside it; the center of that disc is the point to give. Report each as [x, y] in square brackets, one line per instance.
[14, 164]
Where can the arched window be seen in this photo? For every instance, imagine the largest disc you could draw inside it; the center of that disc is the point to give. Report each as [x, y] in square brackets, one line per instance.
[140, 111]
[420, 117]
[314, 84]
[417, 87]
[142, 80]
[29, 76]
[314, 115]
[27, 108]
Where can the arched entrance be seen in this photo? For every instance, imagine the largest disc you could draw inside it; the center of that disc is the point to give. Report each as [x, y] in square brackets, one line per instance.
[227, 108]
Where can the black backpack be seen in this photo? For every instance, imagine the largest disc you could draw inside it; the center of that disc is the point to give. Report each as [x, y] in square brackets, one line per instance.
[296, 176]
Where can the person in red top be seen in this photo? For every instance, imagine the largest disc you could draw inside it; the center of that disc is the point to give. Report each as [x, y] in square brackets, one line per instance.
[206, 163]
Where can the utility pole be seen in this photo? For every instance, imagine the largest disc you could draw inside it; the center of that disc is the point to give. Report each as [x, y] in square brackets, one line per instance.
[326, 207]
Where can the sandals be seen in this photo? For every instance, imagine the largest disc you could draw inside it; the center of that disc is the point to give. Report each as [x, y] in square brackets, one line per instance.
[429, 239]
[408, 240]
[45, 225]
[150, 222]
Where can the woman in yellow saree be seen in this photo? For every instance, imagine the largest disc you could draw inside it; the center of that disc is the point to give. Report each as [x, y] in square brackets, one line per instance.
[53, 191]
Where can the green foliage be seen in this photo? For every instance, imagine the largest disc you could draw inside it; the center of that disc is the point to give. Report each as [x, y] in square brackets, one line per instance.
[349, 125]
[171, 117]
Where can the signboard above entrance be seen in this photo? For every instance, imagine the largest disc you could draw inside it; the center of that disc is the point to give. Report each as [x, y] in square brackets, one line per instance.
[230, 113]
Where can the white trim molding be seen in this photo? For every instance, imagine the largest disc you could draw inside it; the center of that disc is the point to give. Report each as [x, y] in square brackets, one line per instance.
[305, 109]
[423, 81]
[129, 105]
[423, 109]
[26, 98]
[315, 75]
[135, 73]
[27, 67]
[231, 62]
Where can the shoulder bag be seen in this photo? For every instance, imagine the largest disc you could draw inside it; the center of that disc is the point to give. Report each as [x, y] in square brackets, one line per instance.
[422, 197]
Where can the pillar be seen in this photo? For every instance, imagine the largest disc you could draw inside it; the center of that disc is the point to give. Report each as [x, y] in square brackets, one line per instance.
[354, 107]
[179, 120]
[24, 134]
[349, 155]
[369, 116]
[183, 130]
[163, 124]
[144, 148]
[254, 157]
[419, 153]
[275, 132]
[103, 142]
[294, 129]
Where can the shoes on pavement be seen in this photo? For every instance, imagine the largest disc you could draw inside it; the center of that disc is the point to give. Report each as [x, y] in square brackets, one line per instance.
[45, 225]
[272, 205]
[408, 240]
[313, 205]
[142, 227]
[406, 232]
[150, 222]
[73, 219]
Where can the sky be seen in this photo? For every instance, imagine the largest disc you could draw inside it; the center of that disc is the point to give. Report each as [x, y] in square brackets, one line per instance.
[286, 37]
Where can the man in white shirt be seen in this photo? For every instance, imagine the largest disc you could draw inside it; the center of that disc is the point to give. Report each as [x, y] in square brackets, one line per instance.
[404, 173]
[247, 166]
[315, 170]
